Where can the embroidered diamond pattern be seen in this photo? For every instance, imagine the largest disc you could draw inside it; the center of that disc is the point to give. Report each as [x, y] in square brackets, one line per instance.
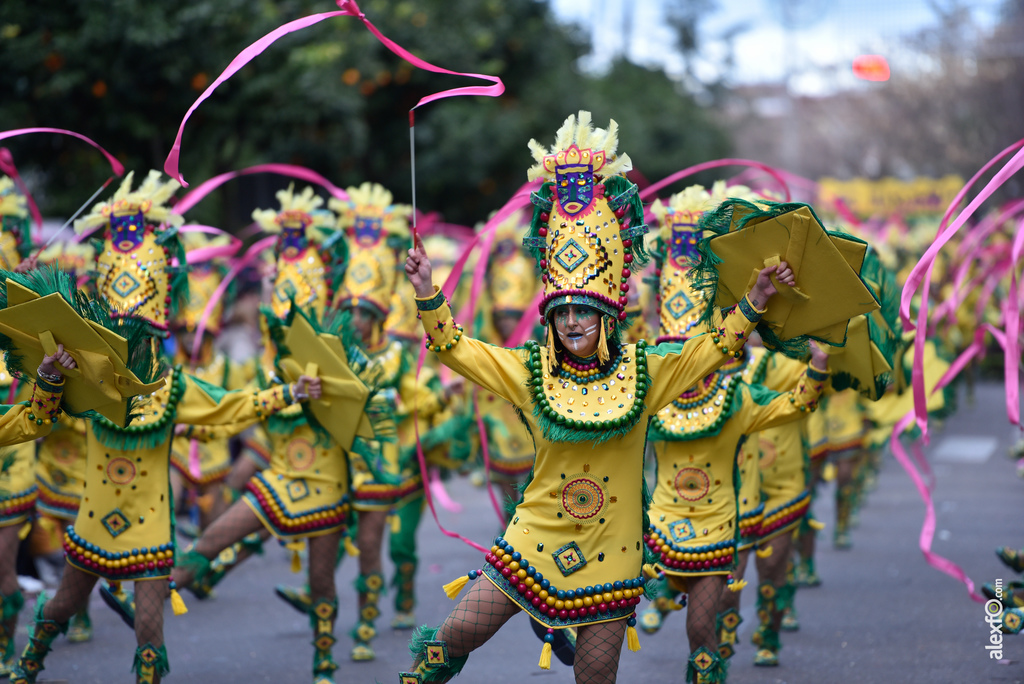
[571, 255]
[125, 284]
[437, 653]
[679, 304]
[569, 558]
[681, 530]
[702, 660]
[115, 522]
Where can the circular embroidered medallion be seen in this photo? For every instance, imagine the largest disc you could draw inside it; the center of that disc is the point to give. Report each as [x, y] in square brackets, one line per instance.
[582, 498]
[768, 453]
[120, 471]
[65, 451]
[301, 454]
[692, 484]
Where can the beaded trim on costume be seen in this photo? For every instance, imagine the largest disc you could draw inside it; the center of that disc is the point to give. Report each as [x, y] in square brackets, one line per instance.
[749, 525]
[144, 563]
[285, 524]
[563, 408]
[558, 608]
[787, 515]
[55, 503]
[16, 506]
[682, 559]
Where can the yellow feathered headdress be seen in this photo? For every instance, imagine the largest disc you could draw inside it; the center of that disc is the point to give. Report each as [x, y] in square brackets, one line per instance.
[297, 211]
[578, 142]
[149, 200]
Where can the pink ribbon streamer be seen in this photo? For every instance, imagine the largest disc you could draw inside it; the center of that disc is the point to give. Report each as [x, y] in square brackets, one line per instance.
[346, 8]
[193, 459]
[117, 166]
[437, 488]
[204, 254]
[7, 166]
[196, 195]
[651, 190]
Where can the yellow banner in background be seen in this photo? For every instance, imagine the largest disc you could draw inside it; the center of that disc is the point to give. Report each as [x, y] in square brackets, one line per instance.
[888, 196]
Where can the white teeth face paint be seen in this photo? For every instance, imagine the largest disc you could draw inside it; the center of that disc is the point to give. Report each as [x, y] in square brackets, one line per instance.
[577, 327]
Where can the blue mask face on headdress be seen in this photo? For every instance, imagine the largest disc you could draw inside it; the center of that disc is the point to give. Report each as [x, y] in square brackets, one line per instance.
[293, 242]
[575, 188]
[127, 232]
[685, 238]
[367, 230]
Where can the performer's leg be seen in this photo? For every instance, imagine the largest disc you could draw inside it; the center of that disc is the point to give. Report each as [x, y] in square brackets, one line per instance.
[703, 604]
[323, 595]
[597, 652]
[477, 617]
[238, 522]
[402, 548]
[370, 582]
[11, 599]
[52, 620]
[151, 655]
[771, 588]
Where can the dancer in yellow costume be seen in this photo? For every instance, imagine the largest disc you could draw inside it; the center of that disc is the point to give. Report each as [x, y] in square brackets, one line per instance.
[202, 461]
[377, 231]
[18, 488]
[572, 555]
[124, 527]
[697, 440]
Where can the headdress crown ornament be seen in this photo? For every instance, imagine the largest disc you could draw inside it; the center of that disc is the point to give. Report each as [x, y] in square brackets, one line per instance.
[588, 222]
[134, 269]
[15, 238]
[376, 230]
[301, 275]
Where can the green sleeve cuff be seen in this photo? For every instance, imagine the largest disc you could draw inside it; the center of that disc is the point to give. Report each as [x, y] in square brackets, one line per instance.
[748, 310]
[817, 375]
[431, 303]
[49, 386]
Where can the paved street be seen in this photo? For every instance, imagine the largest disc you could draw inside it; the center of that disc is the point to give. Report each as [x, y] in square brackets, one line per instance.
[881, 615]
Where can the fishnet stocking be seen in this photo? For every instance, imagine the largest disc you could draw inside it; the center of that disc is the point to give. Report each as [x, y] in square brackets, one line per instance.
[597, 652]
[238, 522]
[773, 569]
[476, 618]
[369, 538]
[8, 559]
[704, 602]
[241, 472]
[72, 595]
[731, 599]
[323, 551]
[150, 596]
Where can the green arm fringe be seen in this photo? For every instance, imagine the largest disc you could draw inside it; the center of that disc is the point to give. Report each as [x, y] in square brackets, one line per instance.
[418, 650]
[510, 503]
[146, 436]
[334, 254]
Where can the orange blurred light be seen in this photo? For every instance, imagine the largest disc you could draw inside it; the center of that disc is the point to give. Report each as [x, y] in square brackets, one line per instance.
[871, 68]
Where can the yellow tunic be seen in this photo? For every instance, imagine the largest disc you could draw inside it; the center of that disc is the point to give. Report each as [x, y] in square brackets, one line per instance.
[844, 421]
[123, 529]
[580, 524]
[695, 508]
[19, 425]
[212, 455]
[510, 446]
[60, 472]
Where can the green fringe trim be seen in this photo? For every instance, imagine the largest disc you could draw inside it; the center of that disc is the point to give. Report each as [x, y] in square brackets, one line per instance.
[160, 665]
[334, 254]
[177, 286]
[253, 543]
[137, 437]
[770, 640]
[716, 673]
[418, 650]
[371, 454]
[557, 428]
[194, 562]
[62, 627]
[362, 585]
[11, 605]
[784, 596]
[657, 586]
[510, 503]
[314, 619]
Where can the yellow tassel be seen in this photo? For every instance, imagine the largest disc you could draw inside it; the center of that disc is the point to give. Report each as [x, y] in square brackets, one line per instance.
[453, 588]
[737, 586]
[545, 657]
[828, 473]
[764, 552]
[177, 603]
[602, 344]
[816, 524]
[350, 548]
[632, 640]
[396, 524]
[23, 532]
[295, 548]
[205, 503]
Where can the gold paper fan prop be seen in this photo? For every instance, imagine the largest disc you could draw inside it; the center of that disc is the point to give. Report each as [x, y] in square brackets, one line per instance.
[741, 238]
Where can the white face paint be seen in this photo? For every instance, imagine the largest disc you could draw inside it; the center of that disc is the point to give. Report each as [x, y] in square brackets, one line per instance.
[578, 328]
[574, 342]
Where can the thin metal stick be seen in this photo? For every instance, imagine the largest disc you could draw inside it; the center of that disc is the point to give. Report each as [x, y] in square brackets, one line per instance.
[76, 214]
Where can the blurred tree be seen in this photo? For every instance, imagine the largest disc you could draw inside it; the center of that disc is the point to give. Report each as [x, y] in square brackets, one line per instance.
[329, 97]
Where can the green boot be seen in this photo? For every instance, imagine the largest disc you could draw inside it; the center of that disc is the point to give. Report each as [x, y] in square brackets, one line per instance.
[768, 654]
[322, 616]
[705, 667]
[405, 596]
[402, 549]
[10, 606]
[726, 624]
[369, 588]
[844, 508]
[150, 664]
[120, 601]
[296, 598]
[807, 574]
[80, 629]
[40, 638]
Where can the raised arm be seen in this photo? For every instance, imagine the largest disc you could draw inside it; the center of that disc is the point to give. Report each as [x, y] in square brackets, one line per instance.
[676, 368]
[36, 417]
[494, 368]
[769, 408]
[202, 403]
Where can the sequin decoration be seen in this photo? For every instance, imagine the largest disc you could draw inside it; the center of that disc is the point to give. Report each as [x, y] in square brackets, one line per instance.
[692, 484]
[582, 498]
